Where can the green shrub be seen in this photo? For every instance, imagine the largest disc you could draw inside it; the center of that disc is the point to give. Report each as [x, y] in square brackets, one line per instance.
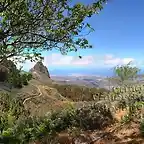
[18, 127]
[126, 72]
[29, 76]
[15, 77]
[18, 79]
[25, 77]
[11, 112]
[94, 116]
[126, 119]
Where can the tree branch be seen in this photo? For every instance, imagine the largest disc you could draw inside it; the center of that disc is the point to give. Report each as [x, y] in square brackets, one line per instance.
[3, 8]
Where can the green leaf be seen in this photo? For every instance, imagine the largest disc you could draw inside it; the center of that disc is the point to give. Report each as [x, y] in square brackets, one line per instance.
[40, 25]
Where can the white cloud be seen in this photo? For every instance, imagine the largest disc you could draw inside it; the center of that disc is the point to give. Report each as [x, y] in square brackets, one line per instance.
[27, 65]
[113, 61]
[56, 60]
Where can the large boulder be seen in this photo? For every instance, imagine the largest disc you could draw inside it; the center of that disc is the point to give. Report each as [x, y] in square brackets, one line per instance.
[3, 73]
[9, 64]
[6, 66]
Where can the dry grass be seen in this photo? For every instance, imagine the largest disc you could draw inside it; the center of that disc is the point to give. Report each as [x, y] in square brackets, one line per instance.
[80, 93]
[119, 114]
[39, 98]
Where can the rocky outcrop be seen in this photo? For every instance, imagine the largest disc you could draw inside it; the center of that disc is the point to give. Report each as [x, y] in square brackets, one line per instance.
[6, 66]
[9, 64]
[41, 68]
[3, 73]
[39, 71]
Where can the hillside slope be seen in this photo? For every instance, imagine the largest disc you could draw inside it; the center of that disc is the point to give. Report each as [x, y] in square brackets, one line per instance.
[94, 107]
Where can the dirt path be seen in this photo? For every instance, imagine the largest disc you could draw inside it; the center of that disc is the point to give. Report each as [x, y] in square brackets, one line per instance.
[33, 96]
[43, 90]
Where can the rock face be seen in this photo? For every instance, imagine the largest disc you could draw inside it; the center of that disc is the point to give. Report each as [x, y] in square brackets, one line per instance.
[6, 66]
[39, 70]
[3, 73]
[9, 64]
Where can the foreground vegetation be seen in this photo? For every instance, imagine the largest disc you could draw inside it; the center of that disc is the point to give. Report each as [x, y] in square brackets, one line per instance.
[18, 126]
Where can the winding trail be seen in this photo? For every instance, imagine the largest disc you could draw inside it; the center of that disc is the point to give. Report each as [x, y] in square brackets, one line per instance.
[42, 91]
[33, 96]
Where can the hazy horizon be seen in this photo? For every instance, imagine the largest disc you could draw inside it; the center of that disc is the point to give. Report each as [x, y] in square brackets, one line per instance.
[105, 72]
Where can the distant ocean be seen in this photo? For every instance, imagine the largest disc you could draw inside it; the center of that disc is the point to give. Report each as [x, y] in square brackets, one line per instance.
[86, 72]
[104, 72]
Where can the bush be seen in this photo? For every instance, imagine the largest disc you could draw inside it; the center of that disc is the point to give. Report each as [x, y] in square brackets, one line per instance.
[15, 79]
[11, 112]
[18, 127]
[94, 116]
[18, 79]
[14, 76]
[126, 72]
[25, 78]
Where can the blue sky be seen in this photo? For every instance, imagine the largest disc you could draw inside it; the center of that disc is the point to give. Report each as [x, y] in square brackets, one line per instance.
[118, 38]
